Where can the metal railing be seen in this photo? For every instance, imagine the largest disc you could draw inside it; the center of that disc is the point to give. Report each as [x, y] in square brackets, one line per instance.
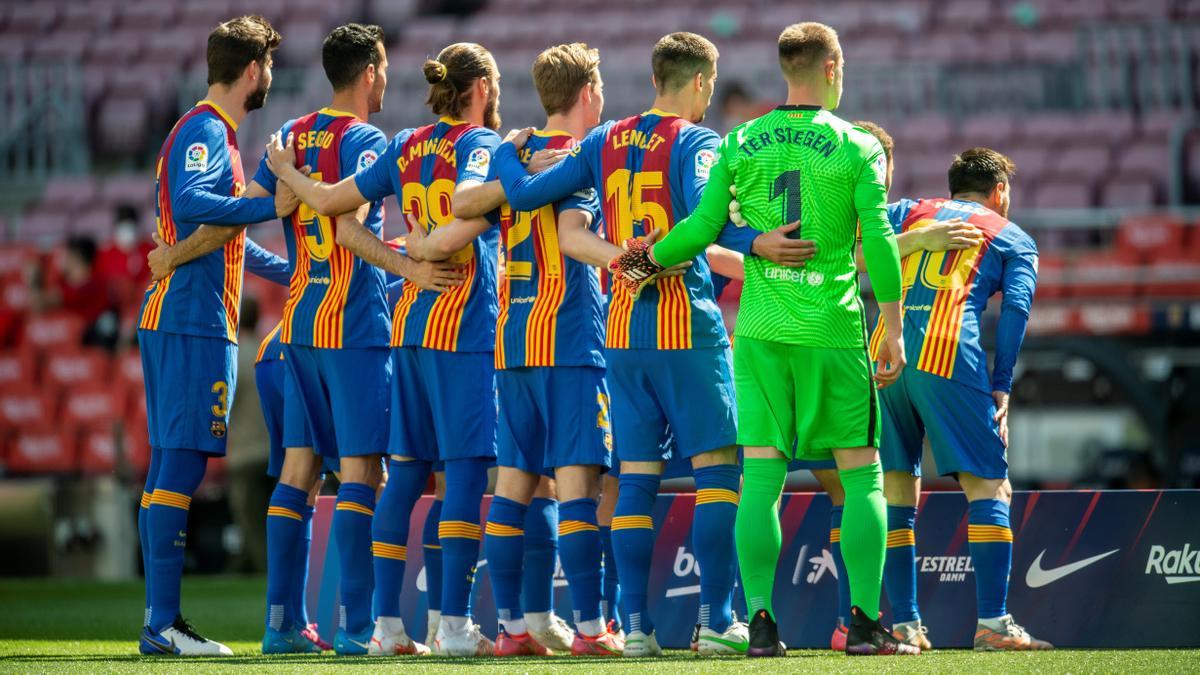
[42, 130]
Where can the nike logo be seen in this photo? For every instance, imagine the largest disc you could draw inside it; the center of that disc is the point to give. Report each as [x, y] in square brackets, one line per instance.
[1037, 577]
[356, 642]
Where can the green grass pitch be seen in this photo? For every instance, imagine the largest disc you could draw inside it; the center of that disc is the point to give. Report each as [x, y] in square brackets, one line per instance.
[88, 627]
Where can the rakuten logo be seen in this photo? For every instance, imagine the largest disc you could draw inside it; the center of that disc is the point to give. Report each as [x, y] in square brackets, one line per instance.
[1178, 566]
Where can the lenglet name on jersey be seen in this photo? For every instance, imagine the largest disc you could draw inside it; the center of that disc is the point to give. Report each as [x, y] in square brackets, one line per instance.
[638, 139]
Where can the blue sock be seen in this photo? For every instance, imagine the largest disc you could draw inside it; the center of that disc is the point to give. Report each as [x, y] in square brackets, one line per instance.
[144, 525]
[300, 579]
[712, 540]
[835, 549]
[433, 558]
[900, 563]
[352, 527]
[504, 546]
[459, 532]
[990, 541]
[541, 555]
[179, 474]
[579, 537]
[633, 543]
[285, 529]
[389, 531]
[612, 581]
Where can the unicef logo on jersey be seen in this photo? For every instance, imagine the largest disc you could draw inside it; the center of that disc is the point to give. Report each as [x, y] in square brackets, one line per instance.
[814, 278]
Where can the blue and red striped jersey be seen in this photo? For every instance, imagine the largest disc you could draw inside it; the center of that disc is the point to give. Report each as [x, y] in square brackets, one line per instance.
[946, 293]
[649, 171]
[199, 180]
[335, 299]
[551, 310]
[422, 167]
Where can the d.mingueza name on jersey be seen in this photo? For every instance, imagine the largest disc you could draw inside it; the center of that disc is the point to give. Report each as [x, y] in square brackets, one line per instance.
[805, 139]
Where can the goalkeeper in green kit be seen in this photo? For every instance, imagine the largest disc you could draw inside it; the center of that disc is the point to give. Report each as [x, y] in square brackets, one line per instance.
[804, 382]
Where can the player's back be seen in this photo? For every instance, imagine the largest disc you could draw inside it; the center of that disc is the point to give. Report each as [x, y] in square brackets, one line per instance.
[802, 163]
[335, 299]
[946, 292]
[432, 161]
[650, 170]
[203, 297]
[550, 305]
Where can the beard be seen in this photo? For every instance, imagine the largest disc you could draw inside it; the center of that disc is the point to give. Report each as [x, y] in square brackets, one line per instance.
[257, 98]
[491, 114]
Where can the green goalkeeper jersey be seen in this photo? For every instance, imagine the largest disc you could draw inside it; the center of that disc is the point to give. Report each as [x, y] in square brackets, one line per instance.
[800, 163]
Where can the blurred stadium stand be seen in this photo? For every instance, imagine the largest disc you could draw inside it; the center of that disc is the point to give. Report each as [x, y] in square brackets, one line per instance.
[1095, 100]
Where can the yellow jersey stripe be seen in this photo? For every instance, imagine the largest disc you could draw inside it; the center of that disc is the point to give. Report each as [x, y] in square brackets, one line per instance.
[502, 530]
[168, 498]
[381, 549]
[355, 507]
[146, 497]
[631, 522]
[283, 512]
[459, 529]
[575, 526]
[711, 495]
[835, 535]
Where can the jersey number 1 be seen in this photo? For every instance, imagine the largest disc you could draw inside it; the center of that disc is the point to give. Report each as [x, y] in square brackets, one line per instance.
[787, 188]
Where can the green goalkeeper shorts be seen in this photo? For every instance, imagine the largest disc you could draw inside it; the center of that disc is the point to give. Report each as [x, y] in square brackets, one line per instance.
[805, 401]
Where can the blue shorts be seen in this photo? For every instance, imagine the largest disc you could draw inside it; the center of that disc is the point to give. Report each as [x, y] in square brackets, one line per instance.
[271, 379]
[443, 404]
[552, 417]
[343, 394]
[690, 390]
[190, 383]
[957, 418]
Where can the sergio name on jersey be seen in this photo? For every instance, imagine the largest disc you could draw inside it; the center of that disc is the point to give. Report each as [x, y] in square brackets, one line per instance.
[335, 299]
[422, 167]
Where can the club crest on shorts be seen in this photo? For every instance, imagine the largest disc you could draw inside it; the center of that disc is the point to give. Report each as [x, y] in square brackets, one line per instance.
[217, 428]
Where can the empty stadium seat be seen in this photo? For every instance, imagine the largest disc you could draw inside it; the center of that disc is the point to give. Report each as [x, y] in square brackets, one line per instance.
[91, 405]
[24, 407]
[73, 368]
[1114, 273]
[55, 329]
[17, 368]
[42, 450]
[97, 451]
[1152, 235]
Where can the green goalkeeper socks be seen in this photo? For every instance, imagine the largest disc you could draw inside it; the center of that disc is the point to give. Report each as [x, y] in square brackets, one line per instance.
[864, 534]
[757, 530]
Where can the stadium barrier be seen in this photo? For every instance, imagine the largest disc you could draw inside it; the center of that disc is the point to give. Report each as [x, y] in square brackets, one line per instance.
[1091, 569]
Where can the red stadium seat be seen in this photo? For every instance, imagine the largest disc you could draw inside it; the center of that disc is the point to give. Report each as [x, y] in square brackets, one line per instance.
[137, 450]
[73, 368]
[91, 405]
[15, 295]
[1052, 276]
[1152, 235]
[97, 451]
[17, 368]
[56, 329]
[1115, 273]
[25, 406]
[1174, 274]
[128, 368]
[42, 450]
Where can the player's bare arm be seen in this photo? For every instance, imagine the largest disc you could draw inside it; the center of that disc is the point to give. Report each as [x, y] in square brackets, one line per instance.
[578, 241]
[324, 198]
[945, 235]
[725, 262]
[356, 238]
[443, 241]
[164, 259]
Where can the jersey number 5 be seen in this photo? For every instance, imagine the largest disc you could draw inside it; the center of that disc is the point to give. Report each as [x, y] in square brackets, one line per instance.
[316, 230]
